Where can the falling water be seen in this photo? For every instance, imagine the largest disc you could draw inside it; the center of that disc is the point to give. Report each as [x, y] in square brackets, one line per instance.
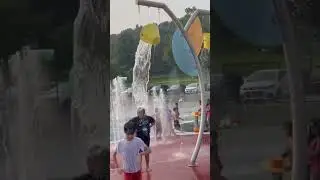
[141, 74]
[121, 107]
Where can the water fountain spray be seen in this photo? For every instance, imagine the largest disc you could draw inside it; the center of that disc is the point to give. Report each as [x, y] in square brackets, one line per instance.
[119, 102]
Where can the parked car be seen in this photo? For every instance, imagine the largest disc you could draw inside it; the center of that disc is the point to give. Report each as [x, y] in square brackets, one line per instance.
[265, 84]
[192, 88]
[176, 89]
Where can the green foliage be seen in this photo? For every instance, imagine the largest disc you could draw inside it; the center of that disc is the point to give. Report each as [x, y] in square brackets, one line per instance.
[123, 47]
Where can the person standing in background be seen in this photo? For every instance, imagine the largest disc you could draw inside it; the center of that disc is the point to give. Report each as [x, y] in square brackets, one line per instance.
[208, 114]
[176, 105]
[158, 124]
[170, 118]
[176, 119]
[196, 118]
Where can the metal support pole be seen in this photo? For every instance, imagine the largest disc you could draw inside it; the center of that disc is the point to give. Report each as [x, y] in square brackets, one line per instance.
[196, 150]
[195, 14]
[200, 76]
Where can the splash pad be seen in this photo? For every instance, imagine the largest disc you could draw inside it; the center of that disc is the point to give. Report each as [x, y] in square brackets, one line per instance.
[171, 158]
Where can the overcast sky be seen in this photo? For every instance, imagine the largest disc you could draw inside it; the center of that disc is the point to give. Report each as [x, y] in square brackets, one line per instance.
[125, 13]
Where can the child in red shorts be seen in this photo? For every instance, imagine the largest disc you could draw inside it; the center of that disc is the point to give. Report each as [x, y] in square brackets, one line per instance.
[130, 149]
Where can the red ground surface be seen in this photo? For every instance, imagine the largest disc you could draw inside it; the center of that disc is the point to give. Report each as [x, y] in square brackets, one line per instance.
[169, 160]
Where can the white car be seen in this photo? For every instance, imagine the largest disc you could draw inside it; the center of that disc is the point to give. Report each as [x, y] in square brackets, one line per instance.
[265, 84]
[192, 88]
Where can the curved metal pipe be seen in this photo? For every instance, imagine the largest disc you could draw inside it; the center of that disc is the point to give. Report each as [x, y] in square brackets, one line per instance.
[200, 76]
[202, 120]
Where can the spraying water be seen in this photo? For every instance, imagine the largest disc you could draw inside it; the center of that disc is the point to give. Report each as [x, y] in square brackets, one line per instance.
[121, 107]
[159, 101]
[141, 74]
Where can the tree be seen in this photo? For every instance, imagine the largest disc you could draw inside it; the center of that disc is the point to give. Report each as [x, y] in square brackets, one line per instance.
[126, 49]
[190, 10]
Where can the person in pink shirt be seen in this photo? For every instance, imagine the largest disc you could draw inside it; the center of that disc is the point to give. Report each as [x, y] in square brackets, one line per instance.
[208, 114]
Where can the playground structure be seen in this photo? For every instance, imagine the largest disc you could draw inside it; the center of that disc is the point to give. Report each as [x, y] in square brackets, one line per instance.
[173, 152]
[183, 31]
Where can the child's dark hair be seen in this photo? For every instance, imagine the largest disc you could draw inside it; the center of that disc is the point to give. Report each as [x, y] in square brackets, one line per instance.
[129, 128]
[141, 109]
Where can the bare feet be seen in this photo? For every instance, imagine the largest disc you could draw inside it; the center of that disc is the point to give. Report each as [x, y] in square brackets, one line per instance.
[148, 169]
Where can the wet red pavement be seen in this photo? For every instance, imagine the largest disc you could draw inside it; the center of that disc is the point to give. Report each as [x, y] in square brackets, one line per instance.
[169, 160]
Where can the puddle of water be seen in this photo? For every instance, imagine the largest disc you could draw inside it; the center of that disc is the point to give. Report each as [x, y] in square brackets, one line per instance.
[180, 155]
